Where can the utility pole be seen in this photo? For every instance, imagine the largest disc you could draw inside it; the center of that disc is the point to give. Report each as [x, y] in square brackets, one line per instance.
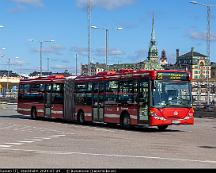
[106, 48]
[48, 64]
[8, 75]
[89, 37]
[41, 44]
[209, 52]
[76, 66]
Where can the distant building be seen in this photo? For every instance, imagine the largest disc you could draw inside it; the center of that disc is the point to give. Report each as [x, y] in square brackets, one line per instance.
[213, 70]
[163, 59]
[8, 80]
[5, 73]
[198, 64]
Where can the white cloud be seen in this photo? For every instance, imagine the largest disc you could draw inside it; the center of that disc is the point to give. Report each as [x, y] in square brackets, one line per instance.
[111, 52]
[54, 49]
[37, 3]
[107, 4]
[80, 50]
[201, 36]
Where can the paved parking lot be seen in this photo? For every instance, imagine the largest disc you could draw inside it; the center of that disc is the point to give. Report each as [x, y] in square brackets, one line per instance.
[26, 143]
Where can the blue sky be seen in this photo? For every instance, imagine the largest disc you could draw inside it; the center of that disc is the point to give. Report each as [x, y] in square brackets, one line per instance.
[178, 23]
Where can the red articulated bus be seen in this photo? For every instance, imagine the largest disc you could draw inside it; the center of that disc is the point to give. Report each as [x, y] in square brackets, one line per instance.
[129, 98]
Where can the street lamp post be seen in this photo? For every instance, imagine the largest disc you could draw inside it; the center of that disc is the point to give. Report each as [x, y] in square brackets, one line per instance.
[41, 50]
[8, 75]
[89, 36]
[106, 42]
[208, 38]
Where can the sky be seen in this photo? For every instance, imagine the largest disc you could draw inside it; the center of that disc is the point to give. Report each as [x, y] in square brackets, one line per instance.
[178, 25]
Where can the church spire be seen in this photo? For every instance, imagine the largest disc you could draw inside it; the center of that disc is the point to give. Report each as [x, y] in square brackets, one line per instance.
[153, 52]
[153, 37]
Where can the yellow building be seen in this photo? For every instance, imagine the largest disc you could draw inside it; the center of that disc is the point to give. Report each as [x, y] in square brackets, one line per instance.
[196, 63]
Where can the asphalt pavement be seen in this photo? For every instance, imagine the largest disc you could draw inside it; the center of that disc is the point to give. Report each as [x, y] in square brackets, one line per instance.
[26, 143]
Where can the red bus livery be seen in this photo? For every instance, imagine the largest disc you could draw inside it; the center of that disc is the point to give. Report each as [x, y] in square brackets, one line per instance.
[129, 98]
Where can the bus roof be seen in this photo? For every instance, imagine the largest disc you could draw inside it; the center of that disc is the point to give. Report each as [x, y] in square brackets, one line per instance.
[56, 78]
[127, 73]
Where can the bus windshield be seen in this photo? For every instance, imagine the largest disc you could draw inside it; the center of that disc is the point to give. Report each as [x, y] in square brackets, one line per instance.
[171, 94]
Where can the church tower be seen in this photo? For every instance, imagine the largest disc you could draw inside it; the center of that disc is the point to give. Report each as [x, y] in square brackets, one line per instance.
[153, 51]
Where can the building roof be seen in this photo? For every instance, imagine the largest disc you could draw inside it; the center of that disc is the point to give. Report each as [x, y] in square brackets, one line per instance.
[192, 54]
[6, 73]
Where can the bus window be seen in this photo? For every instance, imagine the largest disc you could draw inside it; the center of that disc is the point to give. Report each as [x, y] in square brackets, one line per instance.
[80, 88]
[48, 87]
[126, 92]
[57, 94]
[83, 94]
[88, 96]
[23, 90]
[95, 87]
[37, 88]
[111, 91]
[58, 88]
[143, 92]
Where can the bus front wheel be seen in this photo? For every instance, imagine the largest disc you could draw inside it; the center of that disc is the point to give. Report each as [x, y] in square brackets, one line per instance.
[162, 128]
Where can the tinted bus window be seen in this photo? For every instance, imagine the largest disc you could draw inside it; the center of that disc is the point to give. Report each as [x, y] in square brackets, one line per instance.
[126, 92]
[37, 88]
[57, 93]
[111, 91]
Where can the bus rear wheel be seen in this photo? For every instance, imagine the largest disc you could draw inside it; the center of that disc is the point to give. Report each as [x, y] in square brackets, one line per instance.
[162, 128]
[125, 121]
[34, 113]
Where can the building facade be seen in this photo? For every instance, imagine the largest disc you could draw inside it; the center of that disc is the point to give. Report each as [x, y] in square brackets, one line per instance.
[198, 64]
[213, 70]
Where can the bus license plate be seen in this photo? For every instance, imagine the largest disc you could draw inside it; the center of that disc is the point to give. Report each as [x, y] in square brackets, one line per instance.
[176, 122]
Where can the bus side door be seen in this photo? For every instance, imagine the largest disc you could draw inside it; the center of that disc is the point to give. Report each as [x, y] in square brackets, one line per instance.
[98, 101]
[48, 100]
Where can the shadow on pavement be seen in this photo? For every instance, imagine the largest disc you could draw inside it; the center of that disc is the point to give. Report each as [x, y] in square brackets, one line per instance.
[98, 125]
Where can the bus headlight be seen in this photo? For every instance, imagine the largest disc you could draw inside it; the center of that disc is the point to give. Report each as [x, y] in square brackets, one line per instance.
[190, 115]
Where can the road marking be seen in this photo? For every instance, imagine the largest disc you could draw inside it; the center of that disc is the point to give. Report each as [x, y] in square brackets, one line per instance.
[26, 141]
[14, 143]
[5, 146]
[56, 136]
[110, 155]
[38, 140]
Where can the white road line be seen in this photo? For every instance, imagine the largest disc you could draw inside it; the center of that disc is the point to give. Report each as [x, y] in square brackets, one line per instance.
[5, 146]
[105, 130]
[56, 136]
[14, 143]
[46, 138]
[38, 140]
[112, 155]
[26, 141]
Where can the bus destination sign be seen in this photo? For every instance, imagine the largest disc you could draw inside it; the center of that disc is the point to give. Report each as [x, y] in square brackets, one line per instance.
[172, 76]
